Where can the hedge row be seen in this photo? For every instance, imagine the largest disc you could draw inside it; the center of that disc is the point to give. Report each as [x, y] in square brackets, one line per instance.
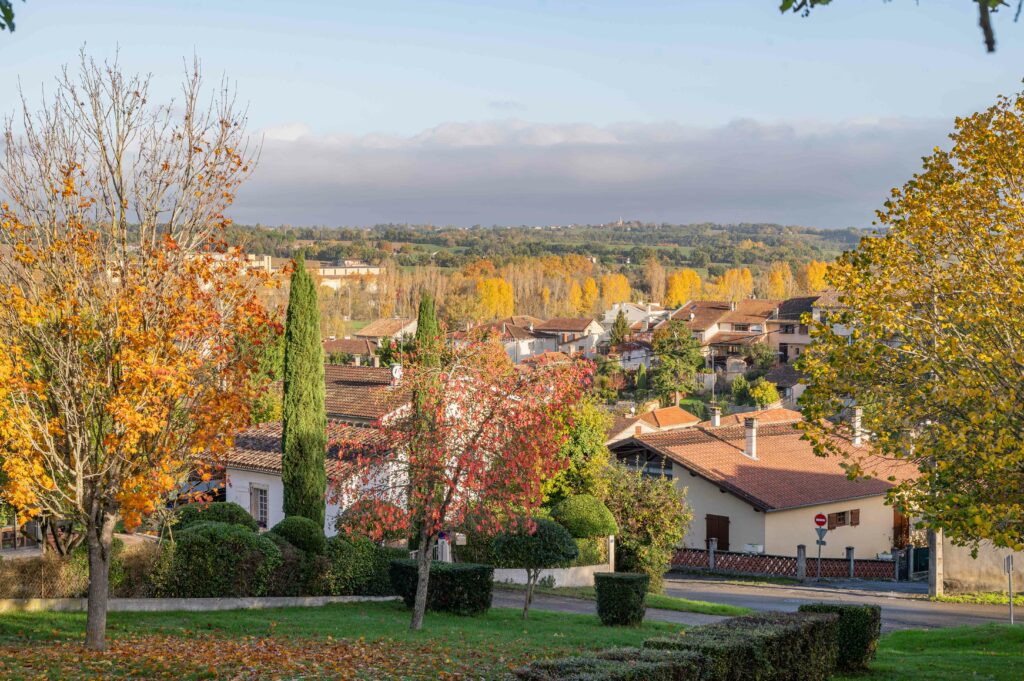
[799, 646]
[621, 597]
[459, 588]
[859, 629]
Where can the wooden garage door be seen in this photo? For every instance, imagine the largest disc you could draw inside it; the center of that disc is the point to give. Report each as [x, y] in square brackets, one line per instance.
[718, 527]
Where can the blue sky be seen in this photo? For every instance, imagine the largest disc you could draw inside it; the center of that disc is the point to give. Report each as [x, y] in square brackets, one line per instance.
[552, 112]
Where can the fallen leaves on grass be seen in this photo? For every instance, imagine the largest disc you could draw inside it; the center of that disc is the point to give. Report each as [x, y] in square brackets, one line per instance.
[241, 659]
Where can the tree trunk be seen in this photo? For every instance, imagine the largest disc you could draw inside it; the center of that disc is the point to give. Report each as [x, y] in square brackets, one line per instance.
[100, 531]
[531, 582]
[426, 554]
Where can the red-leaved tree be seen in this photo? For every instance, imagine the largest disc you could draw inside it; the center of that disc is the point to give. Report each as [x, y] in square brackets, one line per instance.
[479, 439]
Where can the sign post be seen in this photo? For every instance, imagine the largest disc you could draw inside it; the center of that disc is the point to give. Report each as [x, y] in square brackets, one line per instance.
[1008, 566]
[820, 520]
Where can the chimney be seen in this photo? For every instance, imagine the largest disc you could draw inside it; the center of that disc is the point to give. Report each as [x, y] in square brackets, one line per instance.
[358, 360]
[858, 434]
[676, 398]
[376, 360]
[750, 424]
[396, 373]
[716, 416]
[732, 305]
[637, 431]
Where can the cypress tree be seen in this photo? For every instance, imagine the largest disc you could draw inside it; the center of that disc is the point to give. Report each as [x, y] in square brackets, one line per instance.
[428, 333]
[620, 329]
[304, 419]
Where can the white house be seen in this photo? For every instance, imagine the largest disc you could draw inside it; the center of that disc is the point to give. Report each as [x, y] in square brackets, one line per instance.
[572, 335]
[516, 334]
[635, 313]
[757, 486]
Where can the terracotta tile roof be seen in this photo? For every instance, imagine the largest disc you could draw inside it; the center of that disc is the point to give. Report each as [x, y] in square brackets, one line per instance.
[785, 474]
[620, 424]
[784, 376]
[361, 393]
[576, 324]
[384, 328]
[506, 329]
[752, 311]
[734, 338]
[763, 416]
[706, 313]
[259, 448]
[670, 417]
[352, 346]
[543, 359]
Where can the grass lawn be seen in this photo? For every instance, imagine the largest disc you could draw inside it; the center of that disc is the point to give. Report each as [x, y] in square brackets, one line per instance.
[994, 652]
[983, 598]
[351, 641]
[659, 601]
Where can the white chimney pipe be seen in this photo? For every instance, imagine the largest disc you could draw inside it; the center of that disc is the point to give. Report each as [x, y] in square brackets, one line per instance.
[716, 416]
[751, 427]
[858, 435]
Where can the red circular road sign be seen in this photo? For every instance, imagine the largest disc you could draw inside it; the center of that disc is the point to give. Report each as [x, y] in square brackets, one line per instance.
[820, 520]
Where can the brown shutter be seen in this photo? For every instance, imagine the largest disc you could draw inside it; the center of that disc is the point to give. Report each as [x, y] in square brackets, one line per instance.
[855, 516]
[832, 521]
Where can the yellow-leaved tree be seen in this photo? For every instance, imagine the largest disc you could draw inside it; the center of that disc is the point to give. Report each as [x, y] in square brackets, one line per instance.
[614, 289]
[928, 338]
[590, 296]
[128, 334]
[683, 286]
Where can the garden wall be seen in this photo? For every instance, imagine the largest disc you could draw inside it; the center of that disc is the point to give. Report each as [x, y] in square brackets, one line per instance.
[176, 604]
[759, 564]
[581, 575]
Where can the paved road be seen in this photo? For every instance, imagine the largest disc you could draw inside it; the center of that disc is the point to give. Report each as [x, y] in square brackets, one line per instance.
[514, 599]
[903, 606]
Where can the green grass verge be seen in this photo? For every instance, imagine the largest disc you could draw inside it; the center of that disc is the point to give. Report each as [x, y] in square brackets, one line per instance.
[659, 601]
[994, 652]
[982, 598]
[739, 579]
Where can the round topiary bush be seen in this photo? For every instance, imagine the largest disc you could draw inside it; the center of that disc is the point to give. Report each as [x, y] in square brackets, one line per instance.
[549, 545]
[221, 560]
[621, 597]
[585, 516]
[302, 533]
[214, 512]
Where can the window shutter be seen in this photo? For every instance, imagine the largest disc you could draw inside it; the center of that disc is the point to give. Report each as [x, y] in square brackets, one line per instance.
[832, 521]
[855, 516]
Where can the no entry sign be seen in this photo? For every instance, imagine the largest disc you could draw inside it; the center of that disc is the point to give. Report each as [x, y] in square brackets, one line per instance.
[820, 520]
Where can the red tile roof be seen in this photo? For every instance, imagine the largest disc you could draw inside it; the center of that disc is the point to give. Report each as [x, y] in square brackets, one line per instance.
[352, 346]
[706, 313]
[669, 417]
[752, 311]
[763, 416]
[384, 328]
[361, 393]
[574, 324]
[259, 448]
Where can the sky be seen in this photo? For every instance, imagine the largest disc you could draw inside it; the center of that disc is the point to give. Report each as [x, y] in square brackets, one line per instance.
[554, 112]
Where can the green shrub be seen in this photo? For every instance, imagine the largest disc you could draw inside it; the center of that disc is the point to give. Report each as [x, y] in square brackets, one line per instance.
[762, 647]
[593, 551]
[214, 512]
[585, 516]
[621, 597]
[213, 559]
[859, 629]
[460, 588]
[302, 533]
[355, 566]
[549, 545]
[623, 664]
[696, 407]
[292, 575]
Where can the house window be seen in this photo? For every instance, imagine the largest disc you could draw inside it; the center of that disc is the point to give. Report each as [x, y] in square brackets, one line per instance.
[841, 518]
[803, 329]
[717, 527]
[259, 500]
[788, 329]
[741, 327]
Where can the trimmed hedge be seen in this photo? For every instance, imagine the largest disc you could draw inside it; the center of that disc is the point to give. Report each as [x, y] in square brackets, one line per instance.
[762, 647]
[302, 533]
[355, 566]
[549, 546]
[621, 597]
[585, 516]
[213, 559]
[859, 629]
[293, 576]
[214, 512]
[459, 588]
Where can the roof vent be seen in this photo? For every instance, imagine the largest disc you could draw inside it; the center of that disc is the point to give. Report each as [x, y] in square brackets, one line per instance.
[750, 425]
[716, 416]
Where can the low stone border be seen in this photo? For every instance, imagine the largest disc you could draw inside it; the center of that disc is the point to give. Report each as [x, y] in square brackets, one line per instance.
[186, 604]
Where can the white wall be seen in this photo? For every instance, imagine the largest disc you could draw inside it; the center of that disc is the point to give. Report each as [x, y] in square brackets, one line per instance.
[746, 526]
[961, 572]
[239, 481]
[785, 529]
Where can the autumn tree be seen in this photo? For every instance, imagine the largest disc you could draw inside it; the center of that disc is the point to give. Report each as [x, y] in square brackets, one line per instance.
[928, 340]
[620, 329]
[303, 415]
[614, 289]
[495, 298]
[778, 281]
[678, 357]
[576, 298]
[480, 439]
[585, 452]
[683, 286]
[811, 277]
[589, 296]
[127, 328]
[734, 285]
[654, 277]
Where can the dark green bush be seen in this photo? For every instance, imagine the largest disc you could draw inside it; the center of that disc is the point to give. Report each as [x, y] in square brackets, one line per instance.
[622, 664]
[302, 533]
[214, 512]
[593, 551]
[355, 566]
[212, 559]
[549, 546]
[585, 516]
[859, 629]
[621, 597]
[762, 647]
[292, 576]
[460, 588]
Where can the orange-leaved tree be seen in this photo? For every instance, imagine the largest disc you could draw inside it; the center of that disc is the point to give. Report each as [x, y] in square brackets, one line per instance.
[128, 333]
[480, 438]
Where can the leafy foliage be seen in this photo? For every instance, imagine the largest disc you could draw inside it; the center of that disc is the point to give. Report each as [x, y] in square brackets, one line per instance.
[621, 597]
[213, 512]
[927, 336]
[620, 329]
[652, 517]
[357, 566]
[302, 533]
[585, 450]
[679, 356]
[584, 516]
[458, 588]
[534, 546]
[859, 627]
[7, 15]
[214, 559]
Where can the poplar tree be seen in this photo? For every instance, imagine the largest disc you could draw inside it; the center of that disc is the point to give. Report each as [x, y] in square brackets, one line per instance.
[304, 420]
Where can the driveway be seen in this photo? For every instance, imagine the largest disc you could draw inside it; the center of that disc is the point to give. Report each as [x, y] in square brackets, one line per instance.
[514, 599]
[904, 605]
